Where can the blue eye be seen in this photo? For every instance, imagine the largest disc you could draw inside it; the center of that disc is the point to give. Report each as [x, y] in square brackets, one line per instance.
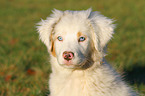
[59, 38]
[81, 39]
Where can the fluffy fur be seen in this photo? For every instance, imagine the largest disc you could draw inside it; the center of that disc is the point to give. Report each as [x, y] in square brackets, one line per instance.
[87, 73]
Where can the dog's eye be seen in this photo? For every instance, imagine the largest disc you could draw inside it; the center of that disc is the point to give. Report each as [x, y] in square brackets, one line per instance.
[59, 38]
[81, 39]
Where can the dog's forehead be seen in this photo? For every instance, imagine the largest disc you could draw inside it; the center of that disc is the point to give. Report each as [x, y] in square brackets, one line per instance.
[72, 25]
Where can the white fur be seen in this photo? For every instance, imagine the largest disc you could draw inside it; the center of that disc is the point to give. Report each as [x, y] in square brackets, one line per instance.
[87, 74]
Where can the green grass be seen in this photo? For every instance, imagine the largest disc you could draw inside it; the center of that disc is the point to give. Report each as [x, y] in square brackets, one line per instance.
[24, 61]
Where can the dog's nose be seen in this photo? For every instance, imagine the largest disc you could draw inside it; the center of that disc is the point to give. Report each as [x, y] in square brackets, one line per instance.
[67, 55]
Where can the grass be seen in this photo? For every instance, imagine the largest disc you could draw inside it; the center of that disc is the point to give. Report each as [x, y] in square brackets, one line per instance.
[24, 62]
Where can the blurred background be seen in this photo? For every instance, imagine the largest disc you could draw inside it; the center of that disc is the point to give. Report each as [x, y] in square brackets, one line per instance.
[24, 61]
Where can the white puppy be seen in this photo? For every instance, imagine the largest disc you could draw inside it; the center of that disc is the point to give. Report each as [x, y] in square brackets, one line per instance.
[75, 41]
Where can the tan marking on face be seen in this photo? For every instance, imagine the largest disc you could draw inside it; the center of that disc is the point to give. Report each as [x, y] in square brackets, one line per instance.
[52, 46]
[53, 49]
[79, 34]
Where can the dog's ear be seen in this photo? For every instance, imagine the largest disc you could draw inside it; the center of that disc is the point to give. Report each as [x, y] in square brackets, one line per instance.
[103, 29]
[46, 27]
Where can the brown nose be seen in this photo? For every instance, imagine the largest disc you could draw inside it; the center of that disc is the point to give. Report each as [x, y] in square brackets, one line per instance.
[67, 55]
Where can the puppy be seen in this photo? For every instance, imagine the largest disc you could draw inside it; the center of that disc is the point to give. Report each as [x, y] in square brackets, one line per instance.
[76, 41]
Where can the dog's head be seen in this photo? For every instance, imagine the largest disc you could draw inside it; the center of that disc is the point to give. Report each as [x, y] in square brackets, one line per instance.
[74, 38]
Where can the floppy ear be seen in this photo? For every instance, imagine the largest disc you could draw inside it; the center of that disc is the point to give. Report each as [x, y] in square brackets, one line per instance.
[46, 27]
[103, 29]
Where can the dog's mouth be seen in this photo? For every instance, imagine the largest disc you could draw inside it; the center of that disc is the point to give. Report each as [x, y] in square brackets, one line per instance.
[86, 63]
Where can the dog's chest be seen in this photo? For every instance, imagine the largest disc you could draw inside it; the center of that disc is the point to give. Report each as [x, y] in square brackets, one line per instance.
[70, 86]
[74, 87]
